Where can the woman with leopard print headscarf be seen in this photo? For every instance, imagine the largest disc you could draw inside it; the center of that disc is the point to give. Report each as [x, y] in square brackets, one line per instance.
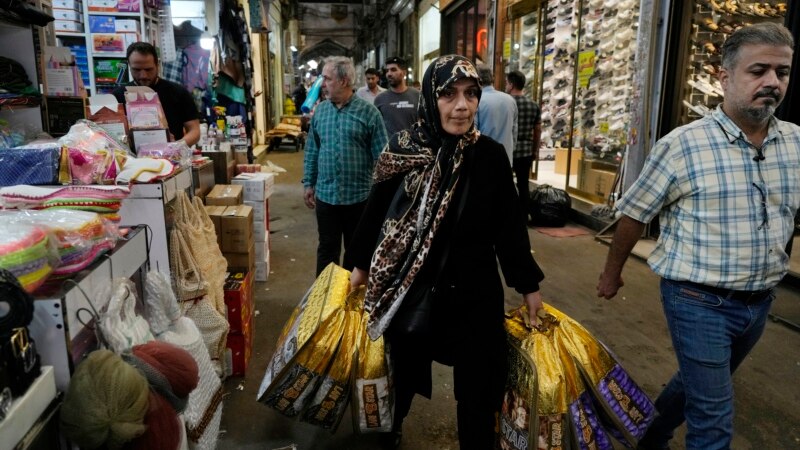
[420, 234]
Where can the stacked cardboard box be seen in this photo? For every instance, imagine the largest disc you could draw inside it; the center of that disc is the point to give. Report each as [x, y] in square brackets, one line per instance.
[257, 188]
[233, 223]
[240, 305]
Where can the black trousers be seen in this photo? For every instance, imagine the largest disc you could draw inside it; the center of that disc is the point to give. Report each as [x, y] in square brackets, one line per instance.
[335, 224]
[479, 376]
[522, 170]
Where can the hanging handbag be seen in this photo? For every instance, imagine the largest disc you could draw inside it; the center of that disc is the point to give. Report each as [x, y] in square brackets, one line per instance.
[413, 320]
[122, 328]
[21, 361]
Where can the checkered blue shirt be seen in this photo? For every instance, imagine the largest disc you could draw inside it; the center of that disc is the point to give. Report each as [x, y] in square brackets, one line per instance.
[341, 150]
[725, 218]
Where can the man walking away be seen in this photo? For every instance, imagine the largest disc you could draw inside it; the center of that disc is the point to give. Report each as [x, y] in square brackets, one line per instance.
[725, 188]
[398, 105]
[529, 133]
[371, 90]
[497, 113]
[346, 136]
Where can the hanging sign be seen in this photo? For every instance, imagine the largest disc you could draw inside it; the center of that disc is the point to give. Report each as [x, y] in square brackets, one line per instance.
[585, 68]
[507, 49]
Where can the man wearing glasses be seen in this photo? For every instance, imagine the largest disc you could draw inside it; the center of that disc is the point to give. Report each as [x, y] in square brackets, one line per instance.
[726, 189]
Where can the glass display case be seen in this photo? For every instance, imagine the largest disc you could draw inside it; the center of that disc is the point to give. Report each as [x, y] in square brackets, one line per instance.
[710, 23]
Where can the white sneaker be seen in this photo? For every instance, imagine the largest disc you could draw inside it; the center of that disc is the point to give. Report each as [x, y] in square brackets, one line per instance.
[703, 87]
[604, 97]
[625, 35]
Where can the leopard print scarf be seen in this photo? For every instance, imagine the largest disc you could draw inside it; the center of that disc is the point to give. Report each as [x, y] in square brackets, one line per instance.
[431, 160]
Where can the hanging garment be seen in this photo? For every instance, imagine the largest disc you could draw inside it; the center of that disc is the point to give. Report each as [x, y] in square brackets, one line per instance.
[194, 72]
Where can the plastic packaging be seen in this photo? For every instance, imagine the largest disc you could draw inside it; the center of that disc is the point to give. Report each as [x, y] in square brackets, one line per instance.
[94, 156]
[177, 152]
[311, 98]
[549, 206]
[28, 252]
[79, 236]
[31, 164]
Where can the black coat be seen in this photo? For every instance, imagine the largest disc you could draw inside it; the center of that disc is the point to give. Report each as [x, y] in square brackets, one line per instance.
[489, 229]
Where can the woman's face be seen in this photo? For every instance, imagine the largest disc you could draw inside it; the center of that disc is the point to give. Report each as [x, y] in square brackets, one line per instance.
[457, 105]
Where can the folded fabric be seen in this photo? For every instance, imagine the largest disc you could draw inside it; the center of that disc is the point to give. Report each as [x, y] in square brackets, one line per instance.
[89, 197]
[144, 170]
[34, 165]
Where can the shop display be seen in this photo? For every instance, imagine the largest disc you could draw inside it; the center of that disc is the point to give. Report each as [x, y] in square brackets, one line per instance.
[711, 23]
[31, 164]
[27, 251]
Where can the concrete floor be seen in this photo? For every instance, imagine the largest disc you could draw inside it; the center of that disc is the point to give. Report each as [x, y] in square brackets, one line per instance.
[632, 325]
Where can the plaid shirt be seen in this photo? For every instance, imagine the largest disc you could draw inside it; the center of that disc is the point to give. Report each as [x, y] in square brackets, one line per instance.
[528, 116]
[725, 218]
[341, 150]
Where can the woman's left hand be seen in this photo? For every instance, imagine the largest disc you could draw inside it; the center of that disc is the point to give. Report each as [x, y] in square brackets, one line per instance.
[534, 302]
[358, 278]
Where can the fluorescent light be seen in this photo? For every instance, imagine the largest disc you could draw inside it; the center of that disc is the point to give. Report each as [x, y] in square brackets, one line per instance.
[293, 48]
[207, 43]
[312, 64]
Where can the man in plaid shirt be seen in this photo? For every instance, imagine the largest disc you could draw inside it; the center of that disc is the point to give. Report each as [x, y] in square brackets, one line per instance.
[727, 188]
[345, 137]
[529, 133]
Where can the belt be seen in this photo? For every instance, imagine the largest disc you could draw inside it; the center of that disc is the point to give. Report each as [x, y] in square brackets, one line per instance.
[742, 296]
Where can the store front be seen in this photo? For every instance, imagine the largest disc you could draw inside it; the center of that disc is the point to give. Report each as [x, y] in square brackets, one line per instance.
[465, 31]
[429, 36]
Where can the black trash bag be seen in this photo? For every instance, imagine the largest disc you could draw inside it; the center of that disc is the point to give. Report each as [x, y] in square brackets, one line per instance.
[549, 206]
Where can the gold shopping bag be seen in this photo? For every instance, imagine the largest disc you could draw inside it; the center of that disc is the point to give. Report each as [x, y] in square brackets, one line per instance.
[373, 393]
[307, 343]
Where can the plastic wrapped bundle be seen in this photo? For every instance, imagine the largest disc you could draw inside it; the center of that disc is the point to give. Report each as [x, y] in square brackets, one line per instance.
[373, 403]
[81, 237]
[32, 164]
[565, 390]
[325, 297]
[27, 252]
[94, 156]
[105, 200]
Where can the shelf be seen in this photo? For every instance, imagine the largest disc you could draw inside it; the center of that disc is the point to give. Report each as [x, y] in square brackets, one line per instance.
[109, 54]
[27, 409]
[114, 14]
[71, 34]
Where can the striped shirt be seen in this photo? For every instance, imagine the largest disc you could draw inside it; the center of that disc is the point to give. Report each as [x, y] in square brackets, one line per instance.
[341, 150]
[528, 116]
[725, 219]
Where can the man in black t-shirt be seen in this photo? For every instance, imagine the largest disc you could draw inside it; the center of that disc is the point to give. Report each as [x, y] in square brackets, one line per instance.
[177, 102]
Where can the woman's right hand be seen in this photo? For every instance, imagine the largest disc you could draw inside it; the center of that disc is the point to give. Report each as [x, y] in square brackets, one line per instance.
[358, 278]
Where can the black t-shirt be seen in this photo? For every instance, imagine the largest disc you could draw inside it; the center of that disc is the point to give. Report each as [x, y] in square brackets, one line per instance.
[176, 101]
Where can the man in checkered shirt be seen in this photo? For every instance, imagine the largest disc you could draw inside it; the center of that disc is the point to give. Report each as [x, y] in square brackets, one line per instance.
[345, 137]
[726, 189]
[529, 134]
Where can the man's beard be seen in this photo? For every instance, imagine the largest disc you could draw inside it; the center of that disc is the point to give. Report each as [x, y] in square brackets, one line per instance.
[395, 82]
[760, 114]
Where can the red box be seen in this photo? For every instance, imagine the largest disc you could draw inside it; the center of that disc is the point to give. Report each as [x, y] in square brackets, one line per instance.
[240, 348]
[239, 299]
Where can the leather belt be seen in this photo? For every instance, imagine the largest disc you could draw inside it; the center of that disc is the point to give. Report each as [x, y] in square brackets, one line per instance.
[746, 297]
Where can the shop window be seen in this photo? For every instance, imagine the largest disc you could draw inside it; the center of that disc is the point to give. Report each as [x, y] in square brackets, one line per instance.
[466, 32]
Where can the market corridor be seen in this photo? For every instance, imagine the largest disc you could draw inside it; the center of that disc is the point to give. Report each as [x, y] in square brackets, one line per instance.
[632, 325]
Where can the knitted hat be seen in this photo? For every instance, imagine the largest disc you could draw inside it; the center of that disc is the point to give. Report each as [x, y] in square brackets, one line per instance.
[106, 402]
[176, 371]
[163, 427]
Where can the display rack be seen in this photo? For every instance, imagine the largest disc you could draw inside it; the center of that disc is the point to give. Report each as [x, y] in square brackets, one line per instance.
[149, 204]
[710, 24]
[58, 326]
[128, 26]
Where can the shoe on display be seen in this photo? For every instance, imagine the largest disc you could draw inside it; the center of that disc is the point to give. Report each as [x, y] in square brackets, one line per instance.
[529, 34]
[604, 97]
[622, 55]
[624, 35]
[609, 4]
[562, 94]
[561, 83]
[703, 87]
[605, 66]
[627, 5]
[625, 15]
[529, 21]
[607, 46]
[697, 109]
[617, 125]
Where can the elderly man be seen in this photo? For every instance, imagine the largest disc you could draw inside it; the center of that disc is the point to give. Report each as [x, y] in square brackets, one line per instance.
[497, 113]
[726, 188]
[345, 137]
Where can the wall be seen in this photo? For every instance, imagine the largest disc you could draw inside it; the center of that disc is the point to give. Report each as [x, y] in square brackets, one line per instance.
[316, 24]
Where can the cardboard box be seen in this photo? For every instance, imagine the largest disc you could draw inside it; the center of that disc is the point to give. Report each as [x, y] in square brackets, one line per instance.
[260, 211]
[102, 24]
[237, 229]
[68, 4]
[595, 181]
[240, 156]
[561, 161]
[114, 5]
[215, 213]
[126, 26]
[225, 195]
[142, 137]
[68, 14]
[261, 251]
[262, 270]
[68, 26]
[105, 111]
[238, 291]
[239, 348]
[257, 186]
[242, 261]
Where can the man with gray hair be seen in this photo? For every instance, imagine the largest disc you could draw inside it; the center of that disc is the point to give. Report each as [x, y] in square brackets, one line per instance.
[345, 137]
[497, 113]
[725, 188]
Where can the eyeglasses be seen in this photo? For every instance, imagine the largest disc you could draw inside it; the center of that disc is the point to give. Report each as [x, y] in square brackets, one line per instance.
[765, 214]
